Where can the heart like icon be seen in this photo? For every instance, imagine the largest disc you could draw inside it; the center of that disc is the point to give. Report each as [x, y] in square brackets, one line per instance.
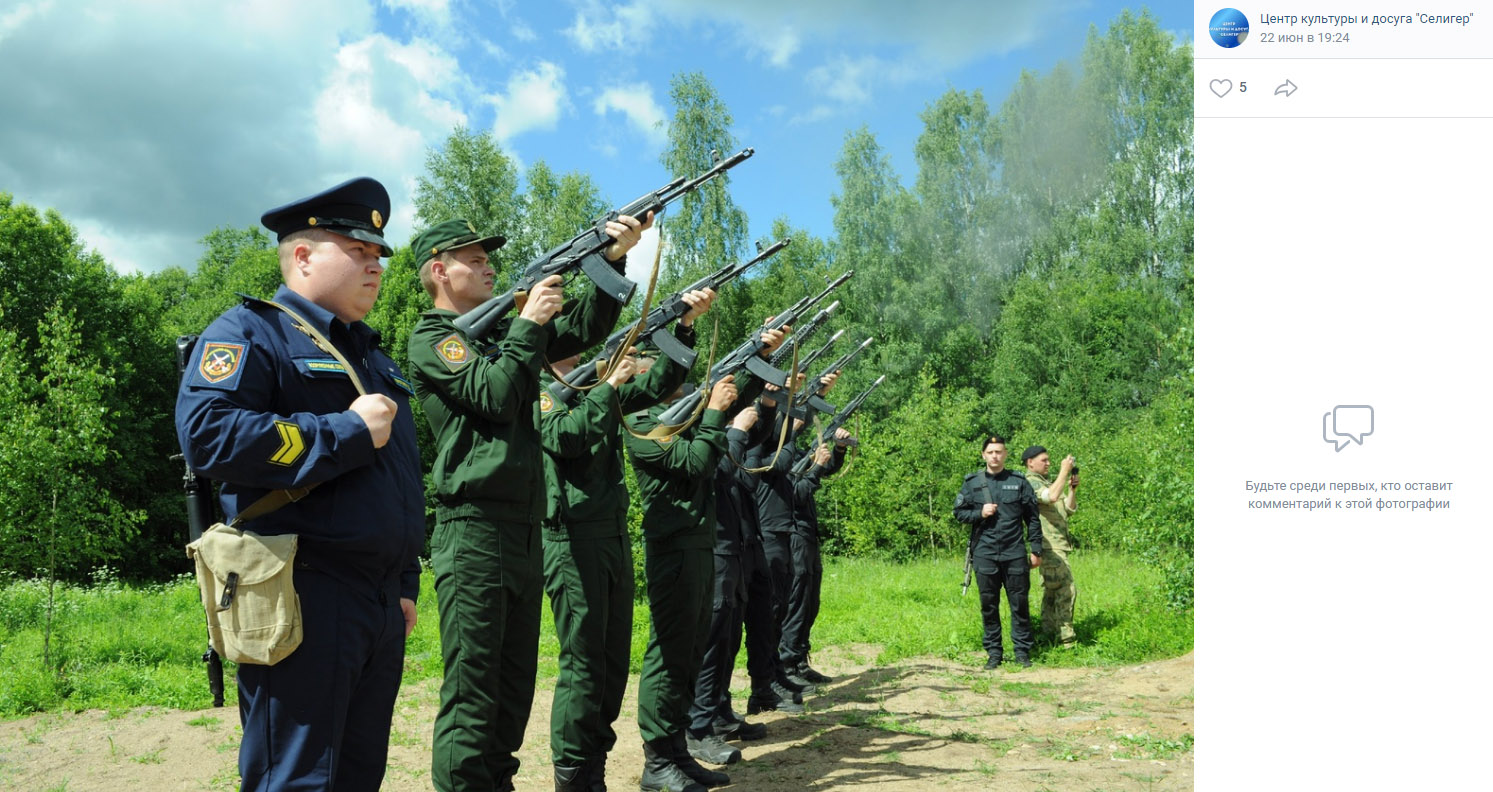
[1221, 87]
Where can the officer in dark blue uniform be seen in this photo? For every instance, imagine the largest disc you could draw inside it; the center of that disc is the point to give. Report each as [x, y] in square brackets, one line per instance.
[262, 408]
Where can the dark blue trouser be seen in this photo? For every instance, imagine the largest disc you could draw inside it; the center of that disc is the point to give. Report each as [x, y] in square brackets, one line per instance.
[757, 617]
[802, 601]
[1015, 577]
[319, 719]
[714, 682]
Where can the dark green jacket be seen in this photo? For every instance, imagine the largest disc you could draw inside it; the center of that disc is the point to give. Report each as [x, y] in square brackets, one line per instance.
[676, 479]
[482, 403]
[586, 497]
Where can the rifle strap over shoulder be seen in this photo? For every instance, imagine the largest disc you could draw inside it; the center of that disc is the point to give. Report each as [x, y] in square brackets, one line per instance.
[281, 497]
[323, 344]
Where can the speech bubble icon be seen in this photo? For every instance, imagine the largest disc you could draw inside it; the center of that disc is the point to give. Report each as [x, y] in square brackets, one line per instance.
[1353, 421]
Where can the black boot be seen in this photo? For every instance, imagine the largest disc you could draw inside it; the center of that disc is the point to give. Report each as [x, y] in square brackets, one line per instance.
[691, 768]
[595, 773]
[711, 748]
[660, 774]
[787, 677]
[737, 728]
[570, 778]
[813, 676]
[773, 698]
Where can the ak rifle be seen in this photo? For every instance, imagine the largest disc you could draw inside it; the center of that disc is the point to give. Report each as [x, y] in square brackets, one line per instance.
[655, 331]
[584, 252]
[748, 356]
[827, 435]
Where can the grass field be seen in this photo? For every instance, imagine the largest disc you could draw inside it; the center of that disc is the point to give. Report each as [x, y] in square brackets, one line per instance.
[117, 646]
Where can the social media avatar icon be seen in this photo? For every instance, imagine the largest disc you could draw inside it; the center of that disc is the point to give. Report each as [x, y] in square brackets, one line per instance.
[1228, 28]
[1347, 422]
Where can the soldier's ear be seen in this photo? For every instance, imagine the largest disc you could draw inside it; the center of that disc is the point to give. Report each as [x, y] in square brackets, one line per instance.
[300, 257]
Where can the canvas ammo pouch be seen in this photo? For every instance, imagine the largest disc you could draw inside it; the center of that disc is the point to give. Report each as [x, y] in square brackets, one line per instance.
[248, 591]
[247, 580]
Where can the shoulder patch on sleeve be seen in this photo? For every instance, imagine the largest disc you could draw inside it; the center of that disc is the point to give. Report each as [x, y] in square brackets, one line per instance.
[453, 352]
[546, 401]
[221, 362]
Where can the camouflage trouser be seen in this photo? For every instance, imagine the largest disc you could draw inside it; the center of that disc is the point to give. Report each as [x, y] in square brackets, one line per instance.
[1058, 596]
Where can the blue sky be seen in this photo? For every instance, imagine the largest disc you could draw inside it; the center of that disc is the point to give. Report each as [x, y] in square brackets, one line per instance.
[149, 123]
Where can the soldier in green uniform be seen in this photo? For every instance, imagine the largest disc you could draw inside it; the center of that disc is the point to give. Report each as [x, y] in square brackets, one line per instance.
[677, 485]
[675, 480]
[481, 397]
[1056, 502]
[587, 555]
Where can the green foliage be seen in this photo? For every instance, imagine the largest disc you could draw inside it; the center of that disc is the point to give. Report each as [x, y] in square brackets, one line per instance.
[1086, 340]
[43, 265]
[471, 178]
[705, 229]
[881, 505]
[556, 207]
[55, 445]
[1033, 275]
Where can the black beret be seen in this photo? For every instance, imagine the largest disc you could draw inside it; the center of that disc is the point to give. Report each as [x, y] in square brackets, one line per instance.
[1031, 451]
[358, 208]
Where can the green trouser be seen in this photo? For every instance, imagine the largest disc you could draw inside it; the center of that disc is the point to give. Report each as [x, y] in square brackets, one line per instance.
[1058, 596]
[679, 597]
[591, 589]
[488, 592]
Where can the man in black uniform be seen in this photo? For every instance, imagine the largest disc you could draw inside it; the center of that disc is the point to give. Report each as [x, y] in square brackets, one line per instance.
[734, 508]
[808, 571]
[1006, 537]
[774, 499]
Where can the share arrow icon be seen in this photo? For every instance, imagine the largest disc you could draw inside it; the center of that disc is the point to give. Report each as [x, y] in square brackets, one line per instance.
[1286, 88]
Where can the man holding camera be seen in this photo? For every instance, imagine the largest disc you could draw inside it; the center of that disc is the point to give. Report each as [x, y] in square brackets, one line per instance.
[1056, 501]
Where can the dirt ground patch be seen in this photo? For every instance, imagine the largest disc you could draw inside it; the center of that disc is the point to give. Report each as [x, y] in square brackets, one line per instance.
[916, 725]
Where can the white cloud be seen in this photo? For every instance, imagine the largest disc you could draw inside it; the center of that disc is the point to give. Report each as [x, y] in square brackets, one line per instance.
[845, 79]
[146, 131]
[943, 34]
[534, 99]
[435, 13]
[778, 47]
[599, 26]
[815, 113]
[643, 113]
[640, 261]
[522, 31]
[16, 18]
[848, 82]
[492, 49]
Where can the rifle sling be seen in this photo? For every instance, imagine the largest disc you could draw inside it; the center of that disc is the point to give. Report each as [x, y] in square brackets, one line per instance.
[277, 498]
